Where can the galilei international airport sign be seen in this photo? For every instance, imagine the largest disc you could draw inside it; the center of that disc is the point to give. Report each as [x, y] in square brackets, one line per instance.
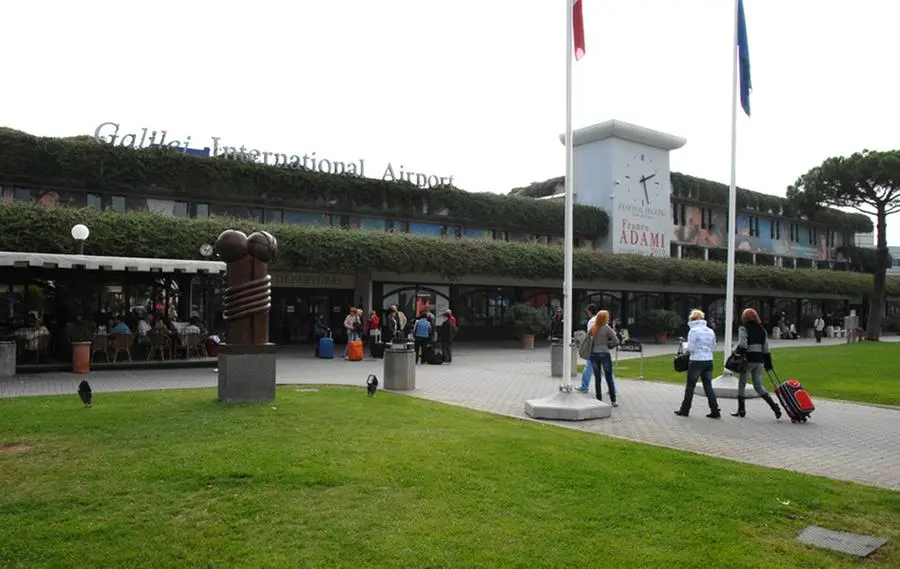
[112, 133]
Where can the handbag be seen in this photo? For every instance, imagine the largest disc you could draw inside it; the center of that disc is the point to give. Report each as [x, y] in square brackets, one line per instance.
[736, 363]
[681, 361]
[586, 347]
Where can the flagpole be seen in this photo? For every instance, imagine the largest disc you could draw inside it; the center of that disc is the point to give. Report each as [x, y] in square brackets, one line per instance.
[732, 192]
[569, 205]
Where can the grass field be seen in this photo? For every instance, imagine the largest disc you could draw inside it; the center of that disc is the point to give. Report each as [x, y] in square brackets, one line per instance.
[868, 372]
[332, 479]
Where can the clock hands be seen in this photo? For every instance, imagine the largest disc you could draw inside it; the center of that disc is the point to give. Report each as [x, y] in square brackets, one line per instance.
[644, 180]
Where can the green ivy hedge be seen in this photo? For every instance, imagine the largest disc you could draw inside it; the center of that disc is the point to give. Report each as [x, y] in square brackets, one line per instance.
[705, 191]
[82, 163]
[27, 227]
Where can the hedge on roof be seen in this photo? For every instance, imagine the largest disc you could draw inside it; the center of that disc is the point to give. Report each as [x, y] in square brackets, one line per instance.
[704, 191]
[690, 188]
[82, 163]
[27, 227]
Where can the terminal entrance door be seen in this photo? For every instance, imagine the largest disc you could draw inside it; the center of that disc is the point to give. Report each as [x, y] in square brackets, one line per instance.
[294, 311]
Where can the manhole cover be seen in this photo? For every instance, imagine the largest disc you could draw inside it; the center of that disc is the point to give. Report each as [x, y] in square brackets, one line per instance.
[841, 541]
[14, 447]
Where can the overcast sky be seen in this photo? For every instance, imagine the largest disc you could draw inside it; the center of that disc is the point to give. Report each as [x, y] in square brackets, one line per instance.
[471, 88]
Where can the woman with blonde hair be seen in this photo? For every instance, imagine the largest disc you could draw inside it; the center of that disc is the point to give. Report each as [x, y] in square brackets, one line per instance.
[700, 345]
[753, 343]
[603, 339]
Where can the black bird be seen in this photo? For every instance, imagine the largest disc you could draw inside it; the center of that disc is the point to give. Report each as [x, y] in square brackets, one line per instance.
[372, 385]
[84, 391]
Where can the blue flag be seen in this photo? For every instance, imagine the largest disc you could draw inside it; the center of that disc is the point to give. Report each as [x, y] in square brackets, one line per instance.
[743, 59]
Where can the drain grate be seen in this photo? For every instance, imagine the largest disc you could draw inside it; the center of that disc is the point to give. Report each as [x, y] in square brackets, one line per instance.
[841, 541]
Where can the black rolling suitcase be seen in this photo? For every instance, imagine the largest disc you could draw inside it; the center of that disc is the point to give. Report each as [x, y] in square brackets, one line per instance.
[434, 355]
[377, 350]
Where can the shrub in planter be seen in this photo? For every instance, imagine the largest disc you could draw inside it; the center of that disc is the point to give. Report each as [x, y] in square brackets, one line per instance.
[81, 335]
[525, 322]
[660, 323]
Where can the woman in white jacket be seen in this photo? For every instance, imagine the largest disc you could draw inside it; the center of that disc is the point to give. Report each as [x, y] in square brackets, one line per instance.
[701, 344]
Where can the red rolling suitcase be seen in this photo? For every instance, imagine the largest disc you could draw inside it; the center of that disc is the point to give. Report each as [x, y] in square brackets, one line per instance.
[796, 401]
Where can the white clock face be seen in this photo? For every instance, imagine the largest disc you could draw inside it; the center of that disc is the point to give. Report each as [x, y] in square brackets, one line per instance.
[642, 181]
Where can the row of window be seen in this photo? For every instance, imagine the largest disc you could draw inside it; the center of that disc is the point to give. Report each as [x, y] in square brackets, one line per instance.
[705, 221]
[198, 210]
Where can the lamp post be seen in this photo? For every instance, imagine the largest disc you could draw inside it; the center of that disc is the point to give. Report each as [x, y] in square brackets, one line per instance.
[206, 251]
[80, 233]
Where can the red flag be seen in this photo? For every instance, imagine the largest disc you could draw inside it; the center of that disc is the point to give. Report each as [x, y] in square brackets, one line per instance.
[578, 29]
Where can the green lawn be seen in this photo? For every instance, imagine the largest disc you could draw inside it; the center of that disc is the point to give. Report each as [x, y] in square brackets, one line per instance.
[868, 372]
[334, 479]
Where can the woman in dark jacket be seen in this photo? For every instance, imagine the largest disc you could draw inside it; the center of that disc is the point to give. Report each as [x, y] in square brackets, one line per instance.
[754, 344]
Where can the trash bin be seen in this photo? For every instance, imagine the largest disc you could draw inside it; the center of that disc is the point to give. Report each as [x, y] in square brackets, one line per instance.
[7, 359]
[399, 367]
[556, 359]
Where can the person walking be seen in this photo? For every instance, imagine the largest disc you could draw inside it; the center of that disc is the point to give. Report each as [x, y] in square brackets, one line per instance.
[352, 327]
[391, 323]
[320, 330]
[422, 336]
[373, 331]
[446, 333]
[753, 343]
[591, 311]
[556, 325]
[700, 345]
[819, 326]
[604, 339]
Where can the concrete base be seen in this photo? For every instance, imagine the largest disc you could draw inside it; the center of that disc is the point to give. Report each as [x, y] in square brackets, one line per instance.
[563, 406]
[247, 374]
[399, 369]
[7, 359]
[726, 387]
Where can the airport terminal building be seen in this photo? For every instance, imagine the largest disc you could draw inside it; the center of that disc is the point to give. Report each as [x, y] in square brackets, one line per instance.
[622, 169]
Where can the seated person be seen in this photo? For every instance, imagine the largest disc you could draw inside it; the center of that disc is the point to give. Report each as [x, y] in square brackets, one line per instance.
[31, 333]
[120, 327]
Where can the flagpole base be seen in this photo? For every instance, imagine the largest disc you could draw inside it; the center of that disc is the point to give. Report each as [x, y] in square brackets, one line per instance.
[567, 406]
[726, 387]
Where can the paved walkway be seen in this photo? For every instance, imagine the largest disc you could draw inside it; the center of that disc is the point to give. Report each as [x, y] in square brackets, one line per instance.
[843, 440]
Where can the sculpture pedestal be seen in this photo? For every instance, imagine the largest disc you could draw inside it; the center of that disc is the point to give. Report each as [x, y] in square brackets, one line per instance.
[726, 387]
[568, 406]
[246, 373]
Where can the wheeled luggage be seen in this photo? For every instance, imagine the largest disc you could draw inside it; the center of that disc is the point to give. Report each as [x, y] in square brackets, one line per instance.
[326, 347]
[434, 355]
[796, 401]
[355, 352]
[377, 350]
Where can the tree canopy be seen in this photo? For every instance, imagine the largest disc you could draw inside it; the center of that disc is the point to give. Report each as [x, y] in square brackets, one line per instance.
[869, 182]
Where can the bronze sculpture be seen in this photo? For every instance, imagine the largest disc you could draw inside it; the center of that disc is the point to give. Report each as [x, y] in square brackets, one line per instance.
[247, 359]
[248, 292]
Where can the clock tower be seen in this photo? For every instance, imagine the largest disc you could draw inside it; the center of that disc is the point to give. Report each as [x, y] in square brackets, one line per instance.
[624, 169]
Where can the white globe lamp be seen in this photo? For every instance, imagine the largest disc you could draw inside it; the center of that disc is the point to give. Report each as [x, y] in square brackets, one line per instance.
[80, 233]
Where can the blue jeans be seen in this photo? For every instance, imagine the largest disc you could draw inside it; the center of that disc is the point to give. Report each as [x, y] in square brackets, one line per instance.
[703, 372]
[586, 376]
[602, 361]
[350, 336]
